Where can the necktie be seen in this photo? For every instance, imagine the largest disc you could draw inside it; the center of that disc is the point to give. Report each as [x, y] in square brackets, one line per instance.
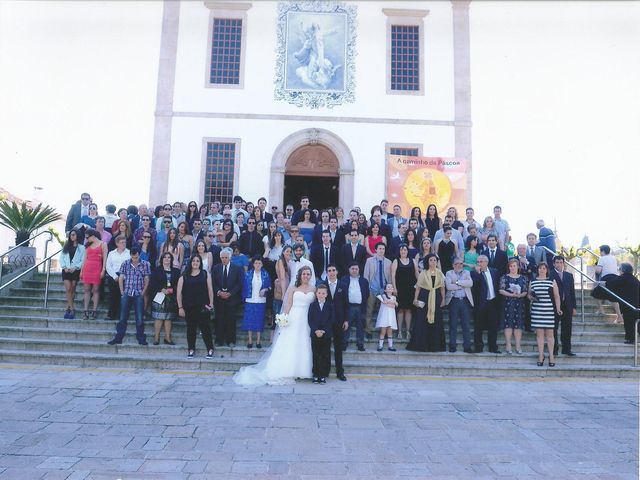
[332, 287]
[531, 251]
[326, 258]
[381, 274]
[492, 255]
[224, 277]
[487, 280]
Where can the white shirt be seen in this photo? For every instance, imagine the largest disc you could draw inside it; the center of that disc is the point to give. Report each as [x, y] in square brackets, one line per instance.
[114, 260]
[491, 294]
[355, 295]
[332, 287]
[295, 266]
[256, 285]
[608, 264]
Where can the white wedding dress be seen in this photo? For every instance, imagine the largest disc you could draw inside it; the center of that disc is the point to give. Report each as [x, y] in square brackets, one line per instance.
[290, 354]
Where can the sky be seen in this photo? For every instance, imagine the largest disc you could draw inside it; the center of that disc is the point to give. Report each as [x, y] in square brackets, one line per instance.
[555, 108]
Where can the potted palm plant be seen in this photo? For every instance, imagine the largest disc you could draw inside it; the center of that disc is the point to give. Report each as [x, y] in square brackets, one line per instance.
[24, 220]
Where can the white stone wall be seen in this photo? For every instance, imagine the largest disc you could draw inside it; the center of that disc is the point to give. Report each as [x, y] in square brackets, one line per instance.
[199, 112]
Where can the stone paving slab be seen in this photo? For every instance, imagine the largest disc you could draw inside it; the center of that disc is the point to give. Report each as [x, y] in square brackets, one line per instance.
[88, 423]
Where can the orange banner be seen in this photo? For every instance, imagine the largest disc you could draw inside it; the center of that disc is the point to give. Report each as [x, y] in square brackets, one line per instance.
[419, 181]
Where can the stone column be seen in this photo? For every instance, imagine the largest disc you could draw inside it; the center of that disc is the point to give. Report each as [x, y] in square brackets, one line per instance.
[462, 81]
[160, 160]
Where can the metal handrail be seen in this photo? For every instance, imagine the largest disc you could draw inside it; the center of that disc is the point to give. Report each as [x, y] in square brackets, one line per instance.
[27, 241]
[620, 300]
[47, 260]
[585, 249]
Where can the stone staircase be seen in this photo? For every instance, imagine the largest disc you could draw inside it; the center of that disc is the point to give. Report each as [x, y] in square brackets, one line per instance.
[31, 334]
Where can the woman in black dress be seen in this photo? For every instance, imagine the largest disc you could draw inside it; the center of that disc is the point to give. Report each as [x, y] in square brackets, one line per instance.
[432, 221]
[164, 279]
[195, 300]
[429, 299]
[404, 273]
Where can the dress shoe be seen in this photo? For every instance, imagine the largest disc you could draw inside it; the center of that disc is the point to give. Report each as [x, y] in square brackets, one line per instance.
[169, 342]
[249, 346]
[468, 350]
[495, 351]
[391, 349]
[258, 346]
[379, 349]
[452, 349]
[143, 343]
[67, 313]
[114, 342]
[323, 380]
[315, 380]
[156, 342]
[232, 345]
[342, 378]
[361, 348]
[191, 354]
[569, 354]
[210, 354]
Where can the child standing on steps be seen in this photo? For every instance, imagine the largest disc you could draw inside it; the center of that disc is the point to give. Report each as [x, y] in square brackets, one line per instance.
[386, 321]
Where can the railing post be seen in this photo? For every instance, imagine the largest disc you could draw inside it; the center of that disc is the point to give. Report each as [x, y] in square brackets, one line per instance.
[46, 284]
[635, 342]
[582, 288]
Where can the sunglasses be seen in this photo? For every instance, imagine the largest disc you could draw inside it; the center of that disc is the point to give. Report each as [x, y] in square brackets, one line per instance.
[85, 198]
[146, 237]
[167, 222]
[93, 208]
[251, 223]
[146, 219]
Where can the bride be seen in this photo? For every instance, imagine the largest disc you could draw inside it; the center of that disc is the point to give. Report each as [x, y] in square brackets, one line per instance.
[290, 354]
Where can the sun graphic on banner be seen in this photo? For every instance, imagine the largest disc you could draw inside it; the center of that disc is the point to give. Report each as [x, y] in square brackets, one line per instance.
[425, 186]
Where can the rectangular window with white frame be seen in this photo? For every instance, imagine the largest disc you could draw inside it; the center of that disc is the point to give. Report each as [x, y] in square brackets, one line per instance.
[405, 51]
[220, 165]
[226, 44]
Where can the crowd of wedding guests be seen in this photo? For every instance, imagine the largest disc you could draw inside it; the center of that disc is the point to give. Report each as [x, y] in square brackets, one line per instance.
[384, 271]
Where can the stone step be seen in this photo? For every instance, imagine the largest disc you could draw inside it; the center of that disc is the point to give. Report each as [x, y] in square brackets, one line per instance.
[594, 331]
[400, 356]
[153, 360]
[179, 336]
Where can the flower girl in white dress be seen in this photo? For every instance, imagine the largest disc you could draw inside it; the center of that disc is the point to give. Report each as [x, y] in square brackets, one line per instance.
[386, 321]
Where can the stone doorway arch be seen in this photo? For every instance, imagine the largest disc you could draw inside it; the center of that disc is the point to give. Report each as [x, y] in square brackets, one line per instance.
[312, 137]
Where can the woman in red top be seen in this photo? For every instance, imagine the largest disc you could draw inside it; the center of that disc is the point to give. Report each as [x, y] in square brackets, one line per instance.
[373, 238]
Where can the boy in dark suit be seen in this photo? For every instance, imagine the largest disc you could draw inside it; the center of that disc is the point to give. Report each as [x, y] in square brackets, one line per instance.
[321, 320]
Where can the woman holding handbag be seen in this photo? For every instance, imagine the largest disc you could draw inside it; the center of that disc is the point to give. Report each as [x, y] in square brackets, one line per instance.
[164, 307]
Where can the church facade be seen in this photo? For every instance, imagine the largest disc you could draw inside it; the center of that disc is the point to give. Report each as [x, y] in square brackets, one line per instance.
[279, 99]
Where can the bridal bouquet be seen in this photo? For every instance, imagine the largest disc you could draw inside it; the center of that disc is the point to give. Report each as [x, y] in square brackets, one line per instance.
[282, 319]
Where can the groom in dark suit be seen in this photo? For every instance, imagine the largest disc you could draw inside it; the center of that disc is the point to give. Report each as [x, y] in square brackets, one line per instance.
[337, 296]
[567, 290]
[321, 319]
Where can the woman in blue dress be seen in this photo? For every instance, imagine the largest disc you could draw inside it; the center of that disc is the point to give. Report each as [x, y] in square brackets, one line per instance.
[306, 226]
[255, 290]
[513, 287]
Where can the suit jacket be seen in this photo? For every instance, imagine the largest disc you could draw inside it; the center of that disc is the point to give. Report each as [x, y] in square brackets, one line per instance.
[321, 319]
[371, 269]
[364, 291]
[250, 243]
[466, 283]
[339, 239]
[347, 257]
[317, 233]
[480, 287]
[215, 254]
[566, 288]
[74, 216]
[500, 260]
[340, 300]
[317, 258]
[235, 279]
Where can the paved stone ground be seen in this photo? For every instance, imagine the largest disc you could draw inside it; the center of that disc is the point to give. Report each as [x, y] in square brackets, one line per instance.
[74, 423]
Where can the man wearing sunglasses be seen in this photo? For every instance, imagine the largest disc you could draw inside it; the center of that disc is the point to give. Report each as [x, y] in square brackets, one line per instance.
[145, 227]
[77, 211]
